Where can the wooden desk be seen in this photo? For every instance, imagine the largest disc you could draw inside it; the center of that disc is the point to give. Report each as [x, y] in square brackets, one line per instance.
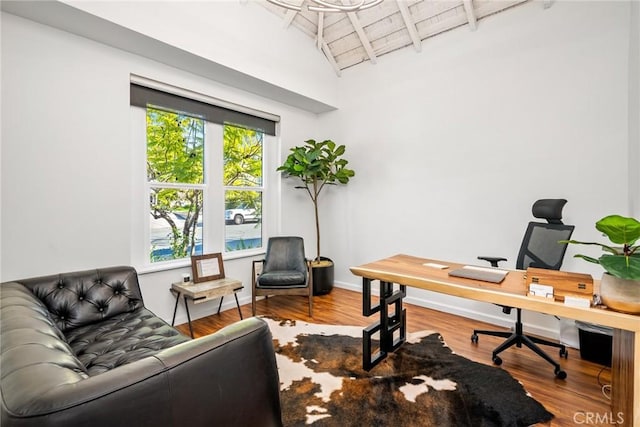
[406, 270]
[203, 292]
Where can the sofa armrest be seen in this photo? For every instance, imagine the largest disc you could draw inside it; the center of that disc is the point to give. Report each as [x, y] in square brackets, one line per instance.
[227, 378]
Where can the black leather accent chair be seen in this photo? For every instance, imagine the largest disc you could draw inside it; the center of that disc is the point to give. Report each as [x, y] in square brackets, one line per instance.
[81, 349]
[285, 271]
[541, 249]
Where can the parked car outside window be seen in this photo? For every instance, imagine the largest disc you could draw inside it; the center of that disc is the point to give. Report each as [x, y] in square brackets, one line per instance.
[240, 215]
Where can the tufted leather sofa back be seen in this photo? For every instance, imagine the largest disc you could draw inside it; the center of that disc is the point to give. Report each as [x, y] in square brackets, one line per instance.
[33, 349]
[85, 297]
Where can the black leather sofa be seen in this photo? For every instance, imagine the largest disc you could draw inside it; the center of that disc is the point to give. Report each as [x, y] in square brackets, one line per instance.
[80, 349]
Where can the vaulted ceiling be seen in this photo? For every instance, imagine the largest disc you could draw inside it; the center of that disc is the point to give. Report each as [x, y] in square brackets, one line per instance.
[349, 39]
[345, 39]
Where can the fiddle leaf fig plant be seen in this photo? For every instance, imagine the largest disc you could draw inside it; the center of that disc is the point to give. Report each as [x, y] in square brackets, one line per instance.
[619, 261]
[317, 164]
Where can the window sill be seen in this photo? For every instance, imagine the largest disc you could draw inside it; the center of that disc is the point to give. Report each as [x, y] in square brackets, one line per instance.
[184, 263]
[165, 266]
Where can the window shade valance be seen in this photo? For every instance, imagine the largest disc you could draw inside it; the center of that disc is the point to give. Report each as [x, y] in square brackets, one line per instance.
[141, 96]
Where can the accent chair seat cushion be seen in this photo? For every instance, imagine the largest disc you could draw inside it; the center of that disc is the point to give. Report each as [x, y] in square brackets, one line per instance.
[280, 278]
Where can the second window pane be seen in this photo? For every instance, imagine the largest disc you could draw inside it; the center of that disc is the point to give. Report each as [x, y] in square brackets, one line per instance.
[243, 218]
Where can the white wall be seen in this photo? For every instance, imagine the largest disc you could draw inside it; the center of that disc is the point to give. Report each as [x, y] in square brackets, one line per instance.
[451, 146]
[240, 35]
[66, 171]
[634, 110]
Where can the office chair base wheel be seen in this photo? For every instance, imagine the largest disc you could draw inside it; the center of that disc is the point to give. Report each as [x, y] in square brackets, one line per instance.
[497, 360]
[564, 353]
[474, 338]
[560, 374]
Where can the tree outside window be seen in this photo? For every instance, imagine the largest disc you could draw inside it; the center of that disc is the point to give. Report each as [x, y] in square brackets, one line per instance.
[175, 175]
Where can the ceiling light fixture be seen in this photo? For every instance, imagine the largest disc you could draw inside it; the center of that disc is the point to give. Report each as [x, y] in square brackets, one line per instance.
[327, 6]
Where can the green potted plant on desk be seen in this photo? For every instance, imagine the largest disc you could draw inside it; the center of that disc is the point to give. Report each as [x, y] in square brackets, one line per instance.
[620, 285]
[318, 164]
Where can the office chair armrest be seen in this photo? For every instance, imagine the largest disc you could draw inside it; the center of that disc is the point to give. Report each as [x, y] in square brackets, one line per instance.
[492, 259]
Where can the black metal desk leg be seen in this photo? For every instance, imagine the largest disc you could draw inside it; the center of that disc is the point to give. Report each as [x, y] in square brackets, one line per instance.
[186, 307]
[220, 305]
[387, 325]
[238, 305]
[175, 308]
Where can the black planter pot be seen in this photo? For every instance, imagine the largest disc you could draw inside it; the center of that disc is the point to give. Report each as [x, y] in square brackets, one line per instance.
[322, 277]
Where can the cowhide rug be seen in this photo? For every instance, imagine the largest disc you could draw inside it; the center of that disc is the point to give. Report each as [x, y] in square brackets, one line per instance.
[422, 384]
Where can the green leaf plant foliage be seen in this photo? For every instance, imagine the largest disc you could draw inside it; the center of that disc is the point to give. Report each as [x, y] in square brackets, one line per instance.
[317, 164]
[242, 157]
[619, 261]
[243, 167]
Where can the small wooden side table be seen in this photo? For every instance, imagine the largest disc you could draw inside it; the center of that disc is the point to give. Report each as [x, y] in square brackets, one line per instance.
[203, 292]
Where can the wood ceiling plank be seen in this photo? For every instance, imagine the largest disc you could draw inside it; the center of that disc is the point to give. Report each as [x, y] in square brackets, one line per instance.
[330, 58]
[486, 8]
[391, 42]
[429, 9]
[431, 28]
[351, 58]
[288, 17]
[302, 23]
[320, 38]
[348, 39]
[362, 35]
[378, 30]
[411, 26]
[346, 44]
[338, 28]
[471, 15]
[378, 13]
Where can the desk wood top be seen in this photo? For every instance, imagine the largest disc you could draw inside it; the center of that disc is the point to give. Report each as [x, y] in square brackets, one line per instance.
[411, 271]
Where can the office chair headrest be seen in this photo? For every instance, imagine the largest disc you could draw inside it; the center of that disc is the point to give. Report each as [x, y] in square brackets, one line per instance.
[549, 209]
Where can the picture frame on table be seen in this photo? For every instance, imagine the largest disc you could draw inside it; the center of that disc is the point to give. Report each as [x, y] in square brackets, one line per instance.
[207, 267]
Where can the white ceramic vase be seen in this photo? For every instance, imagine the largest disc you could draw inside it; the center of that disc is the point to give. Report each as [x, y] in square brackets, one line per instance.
[620, 294]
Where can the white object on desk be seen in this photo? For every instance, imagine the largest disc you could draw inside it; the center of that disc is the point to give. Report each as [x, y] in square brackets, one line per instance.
[538, 290]
[577, 301]
[434, 265]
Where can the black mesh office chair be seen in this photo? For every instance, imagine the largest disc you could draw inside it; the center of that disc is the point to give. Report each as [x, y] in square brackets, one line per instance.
[540, 248]
[285, 271]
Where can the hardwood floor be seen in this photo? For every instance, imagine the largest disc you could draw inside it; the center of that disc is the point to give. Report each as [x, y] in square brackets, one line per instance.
[572, 400]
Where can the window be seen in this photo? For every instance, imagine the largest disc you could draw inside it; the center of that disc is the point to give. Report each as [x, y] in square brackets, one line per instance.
[204, 187]
[175, 179]
[243, 188]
